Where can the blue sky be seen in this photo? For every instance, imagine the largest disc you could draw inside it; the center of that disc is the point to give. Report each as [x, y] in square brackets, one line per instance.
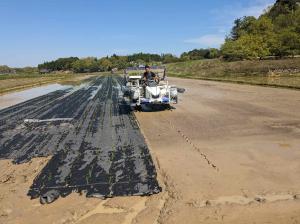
[34, 31]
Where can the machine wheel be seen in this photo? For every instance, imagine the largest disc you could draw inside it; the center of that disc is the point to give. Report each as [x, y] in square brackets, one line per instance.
[138, 108]
[176, 99]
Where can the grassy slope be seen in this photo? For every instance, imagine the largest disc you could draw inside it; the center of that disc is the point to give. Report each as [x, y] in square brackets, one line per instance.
[281, 73]
[15, 82]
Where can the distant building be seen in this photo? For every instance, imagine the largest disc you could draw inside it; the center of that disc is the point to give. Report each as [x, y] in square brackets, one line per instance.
[44, 71]
[114, 70]
[4, 69]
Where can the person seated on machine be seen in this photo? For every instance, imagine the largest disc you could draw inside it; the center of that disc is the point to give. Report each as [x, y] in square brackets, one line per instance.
[149, 75]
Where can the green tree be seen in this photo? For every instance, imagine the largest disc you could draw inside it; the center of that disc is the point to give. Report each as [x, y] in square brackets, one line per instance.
[89, 64]
[169, 58]
[198, 54]
[59, 64]
[213, 53]
[28, 70]
[242, 26]
[4, 69]
[283, 7]
[287, 43]
[105, 64]
[297, 21]
[246, 47]
[274, 33]
[185, 56]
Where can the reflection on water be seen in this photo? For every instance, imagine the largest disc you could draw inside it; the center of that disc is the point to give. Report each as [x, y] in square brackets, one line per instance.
[21, 96]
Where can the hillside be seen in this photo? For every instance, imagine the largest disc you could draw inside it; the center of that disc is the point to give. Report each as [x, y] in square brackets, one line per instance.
[275, 33]
[281, 73]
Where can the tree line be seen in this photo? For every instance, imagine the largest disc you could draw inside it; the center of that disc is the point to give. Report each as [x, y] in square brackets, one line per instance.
[275, 33]
[4, 69]
[93, 64]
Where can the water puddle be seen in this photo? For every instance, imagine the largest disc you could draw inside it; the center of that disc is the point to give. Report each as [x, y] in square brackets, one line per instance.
[10, 99]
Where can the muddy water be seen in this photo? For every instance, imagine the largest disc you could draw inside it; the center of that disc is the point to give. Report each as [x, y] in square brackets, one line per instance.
[10, 99]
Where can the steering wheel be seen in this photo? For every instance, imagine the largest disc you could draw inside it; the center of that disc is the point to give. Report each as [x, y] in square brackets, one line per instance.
[146, 82]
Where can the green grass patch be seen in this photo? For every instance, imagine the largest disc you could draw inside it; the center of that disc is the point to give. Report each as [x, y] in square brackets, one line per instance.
[280, 73]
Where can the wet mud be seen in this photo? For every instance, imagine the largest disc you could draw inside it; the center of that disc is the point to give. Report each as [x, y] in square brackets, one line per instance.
[93, 137]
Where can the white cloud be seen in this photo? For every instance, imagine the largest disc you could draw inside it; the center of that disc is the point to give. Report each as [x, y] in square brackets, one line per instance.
[237, 10]
[254, 10]
[225, 15]
[207, 40]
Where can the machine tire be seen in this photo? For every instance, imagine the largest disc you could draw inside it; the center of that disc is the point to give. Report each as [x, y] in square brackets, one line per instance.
[138, 108]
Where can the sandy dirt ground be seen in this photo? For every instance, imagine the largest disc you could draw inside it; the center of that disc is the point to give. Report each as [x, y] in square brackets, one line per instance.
[227, 154]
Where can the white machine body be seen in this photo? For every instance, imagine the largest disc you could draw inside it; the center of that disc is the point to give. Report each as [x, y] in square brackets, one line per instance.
[161, 93]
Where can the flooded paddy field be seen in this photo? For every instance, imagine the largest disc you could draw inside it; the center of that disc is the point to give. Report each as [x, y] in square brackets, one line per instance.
[92, 136]
[11, 99]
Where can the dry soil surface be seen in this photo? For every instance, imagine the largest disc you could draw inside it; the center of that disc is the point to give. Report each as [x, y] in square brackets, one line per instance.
[226, 154]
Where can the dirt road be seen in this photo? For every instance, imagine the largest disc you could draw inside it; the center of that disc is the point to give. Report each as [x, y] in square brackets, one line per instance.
[227, 154]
